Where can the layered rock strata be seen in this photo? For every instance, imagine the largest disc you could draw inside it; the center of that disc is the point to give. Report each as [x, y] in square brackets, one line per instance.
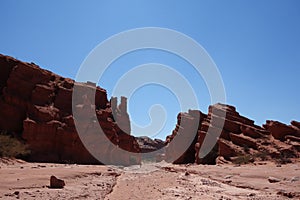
[36, 105]
[223, 135]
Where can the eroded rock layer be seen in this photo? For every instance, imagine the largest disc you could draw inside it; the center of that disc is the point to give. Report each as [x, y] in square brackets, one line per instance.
[36, 105]
[225, 136]
[48, 112]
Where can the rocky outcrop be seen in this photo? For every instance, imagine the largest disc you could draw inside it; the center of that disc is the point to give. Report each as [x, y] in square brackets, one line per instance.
[36, 104]
[43, 109]
[184, 135]
[147, 144]
[151, 149]
[120, 114]
[223, 134]
[280, 130]
[296, 124]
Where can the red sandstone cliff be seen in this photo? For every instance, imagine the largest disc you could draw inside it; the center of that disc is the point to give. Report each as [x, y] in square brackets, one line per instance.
[36, 104]
[240, 140]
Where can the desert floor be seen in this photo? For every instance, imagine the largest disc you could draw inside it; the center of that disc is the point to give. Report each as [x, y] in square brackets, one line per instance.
[22, 180]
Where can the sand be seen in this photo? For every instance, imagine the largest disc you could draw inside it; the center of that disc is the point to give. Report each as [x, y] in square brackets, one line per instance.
[22, 180]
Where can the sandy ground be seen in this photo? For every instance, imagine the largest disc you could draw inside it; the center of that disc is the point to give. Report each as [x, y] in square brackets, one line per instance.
[21, 180]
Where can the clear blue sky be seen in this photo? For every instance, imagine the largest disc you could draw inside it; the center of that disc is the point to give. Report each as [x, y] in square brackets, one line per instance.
[255, 44]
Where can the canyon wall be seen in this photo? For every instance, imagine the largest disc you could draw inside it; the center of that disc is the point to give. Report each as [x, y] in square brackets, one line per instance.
[234, 138]
[36, 105]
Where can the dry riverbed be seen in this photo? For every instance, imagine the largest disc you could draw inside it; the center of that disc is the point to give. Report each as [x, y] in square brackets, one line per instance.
[22, 180]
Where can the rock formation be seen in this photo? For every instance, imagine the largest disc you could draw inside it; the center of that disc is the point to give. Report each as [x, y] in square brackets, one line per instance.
[56, 183]
[235, 138]
[186, 129]
[148, 145]
[43, 109]
[120, 113]
[36, 104]
[152, 150]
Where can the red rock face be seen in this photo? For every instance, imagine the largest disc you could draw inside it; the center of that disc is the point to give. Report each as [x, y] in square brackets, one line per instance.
[280, 130]
[236, 139]
[37, 105]
[185, 134]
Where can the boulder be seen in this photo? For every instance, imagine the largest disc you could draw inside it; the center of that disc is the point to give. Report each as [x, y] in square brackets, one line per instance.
[56, 183]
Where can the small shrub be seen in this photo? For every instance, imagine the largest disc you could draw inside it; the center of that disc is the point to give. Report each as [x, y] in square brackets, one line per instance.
[262, 155]
[246, 148]
[243, 159]
[133, 160]
[12, 147]
[284, 158]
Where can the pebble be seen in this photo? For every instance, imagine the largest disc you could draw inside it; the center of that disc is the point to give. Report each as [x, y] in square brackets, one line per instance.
[294, 179]
[228, 176]
[286, 194]
[273, 179]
